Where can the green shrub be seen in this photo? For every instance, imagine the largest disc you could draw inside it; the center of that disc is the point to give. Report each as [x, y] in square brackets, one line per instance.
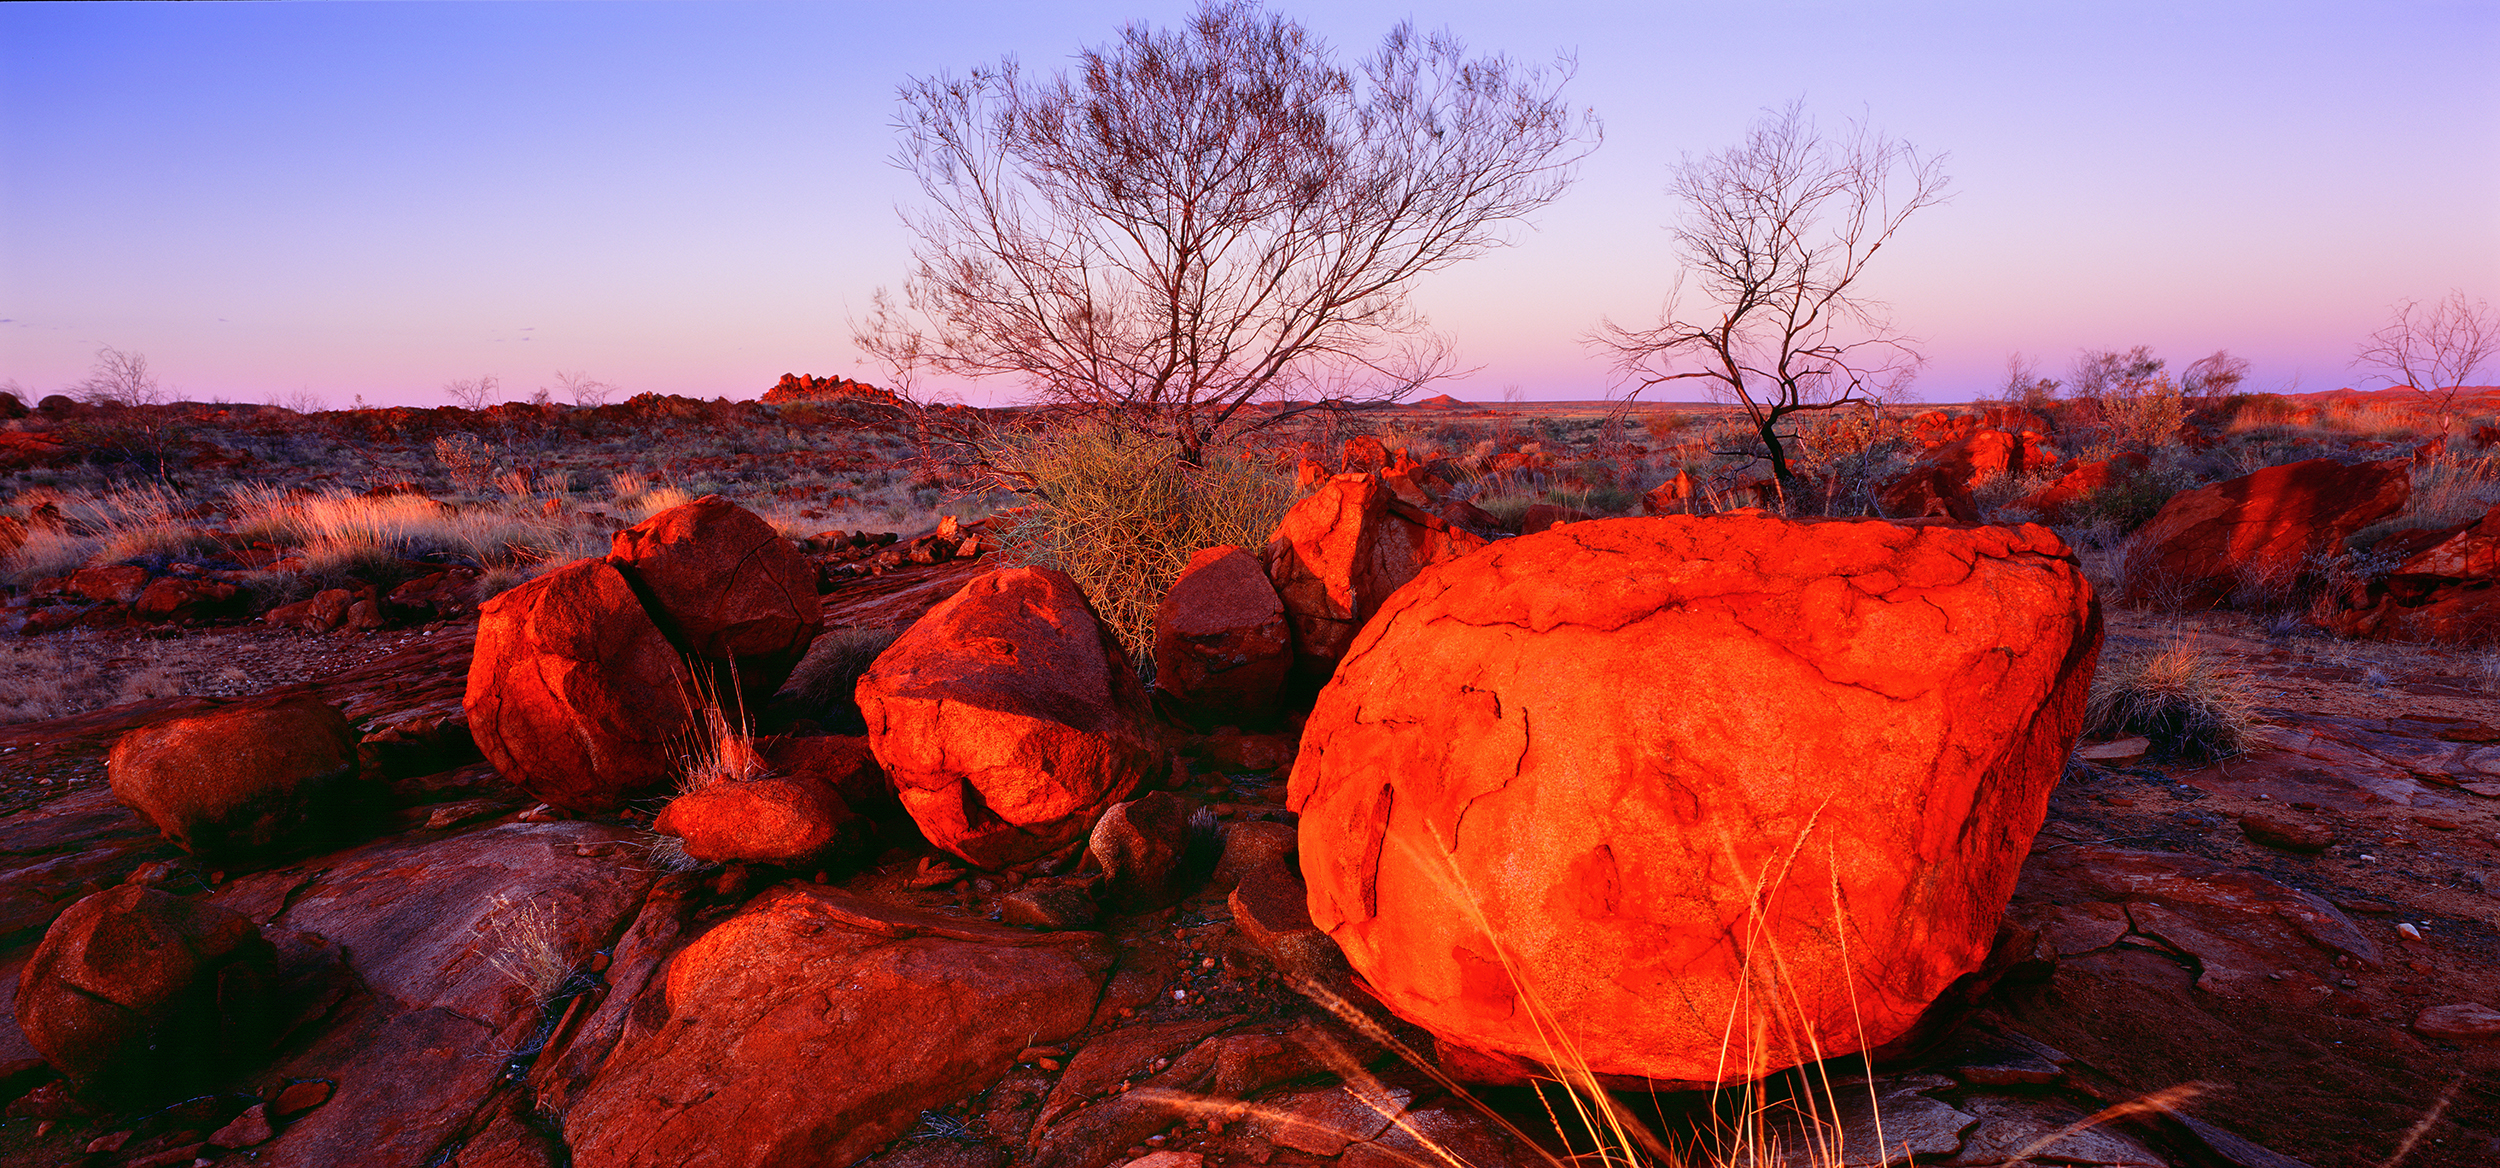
[1121, 514]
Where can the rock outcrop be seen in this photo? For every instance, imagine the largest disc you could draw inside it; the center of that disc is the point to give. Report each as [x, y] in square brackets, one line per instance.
[1676, 763]
[1338, 554]
[1007, 718]
[775, 1038]
[241, 781]
[2258, 534]
[2443, 586]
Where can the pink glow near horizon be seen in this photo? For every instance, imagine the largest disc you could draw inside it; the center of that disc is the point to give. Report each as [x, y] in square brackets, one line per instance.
[372, 200]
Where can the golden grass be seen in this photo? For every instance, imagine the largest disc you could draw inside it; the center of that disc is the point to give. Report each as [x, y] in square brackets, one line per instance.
[720, 745]
[347, 534]
[529, 948]
[2179, 697]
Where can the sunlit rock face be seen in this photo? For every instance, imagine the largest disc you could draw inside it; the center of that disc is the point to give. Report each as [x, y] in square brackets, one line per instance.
[1688, 800]
[2253, 537]
[1008, 719]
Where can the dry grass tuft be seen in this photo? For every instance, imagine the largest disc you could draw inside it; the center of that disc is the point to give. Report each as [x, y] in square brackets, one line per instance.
[1120, 513]
[530, 949]
[2178, 697]
[720, 748]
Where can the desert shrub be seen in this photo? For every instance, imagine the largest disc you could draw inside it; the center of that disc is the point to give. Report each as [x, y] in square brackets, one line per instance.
[1121, 514]
[826, 680]
[2134, 496]
[2178, 697]
[466, 459]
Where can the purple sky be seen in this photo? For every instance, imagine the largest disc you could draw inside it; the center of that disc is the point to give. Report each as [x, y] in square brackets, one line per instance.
[376, 198]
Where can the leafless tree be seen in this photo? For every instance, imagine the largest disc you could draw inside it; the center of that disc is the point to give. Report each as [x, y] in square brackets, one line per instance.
[119, 379]
[473, 393]
[2434, 349]
[1196, 224]
[1777, 232]
[582, 388]
[2024, 386]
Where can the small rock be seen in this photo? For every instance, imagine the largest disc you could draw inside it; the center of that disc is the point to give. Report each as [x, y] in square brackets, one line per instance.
[2275, 829]
[301, 1096]
[1144, 849]
[1168, 1159]
[2116, 754]
[1253, 845]
[1047, 907]
[2468, 1021]
[248, 1129]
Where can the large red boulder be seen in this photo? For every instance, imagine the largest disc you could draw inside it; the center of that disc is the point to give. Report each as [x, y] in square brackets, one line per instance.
[815, 1025]
[1340, 552]
[1221, 643]
[1637, 781]
[573, 693]
[239, 781]
[134, 989]
[725, 587]
[2259, 532]
[1008, 719]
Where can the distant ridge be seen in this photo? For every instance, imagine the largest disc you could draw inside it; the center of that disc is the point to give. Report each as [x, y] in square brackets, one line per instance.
[1442, 401]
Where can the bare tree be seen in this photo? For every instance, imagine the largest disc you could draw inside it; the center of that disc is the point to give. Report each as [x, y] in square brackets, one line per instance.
[119, 379]
[582, 388]
[1195, 220]
[473, 393]
[1777, 232]
[2435, 350]
[2024, 386]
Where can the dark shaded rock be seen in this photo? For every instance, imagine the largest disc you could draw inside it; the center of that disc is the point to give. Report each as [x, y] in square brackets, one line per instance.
[240, 781]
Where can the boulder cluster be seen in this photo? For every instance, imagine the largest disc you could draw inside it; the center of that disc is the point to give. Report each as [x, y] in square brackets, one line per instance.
[1619, 776]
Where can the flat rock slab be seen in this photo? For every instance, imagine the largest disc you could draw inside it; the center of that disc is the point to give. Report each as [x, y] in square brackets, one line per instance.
[816, 1024]
[2246, 935]
[421, 923]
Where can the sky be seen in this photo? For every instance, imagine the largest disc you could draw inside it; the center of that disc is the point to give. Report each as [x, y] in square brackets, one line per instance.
[366, 201]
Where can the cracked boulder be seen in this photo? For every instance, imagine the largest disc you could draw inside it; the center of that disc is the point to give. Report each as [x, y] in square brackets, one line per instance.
[1630, 775]
[2255, 537]
[725, 587]
[574, 694]
[1339, 554]
[1008, 719]
[579, 691]
[815, 1025]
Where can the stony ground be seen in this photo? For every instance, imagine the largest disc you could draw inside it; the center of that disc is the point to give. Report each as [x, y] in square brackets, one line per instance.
[2270, 996]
